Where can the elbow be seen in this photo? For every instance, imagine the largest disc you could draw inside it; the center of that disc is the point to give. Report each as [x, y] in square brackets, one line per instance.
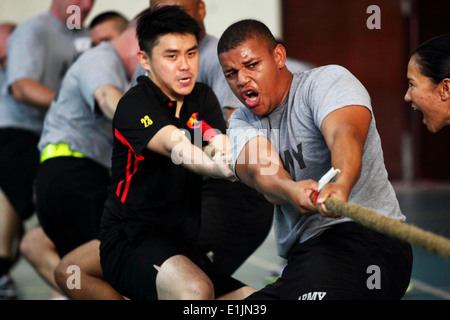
[16, 90]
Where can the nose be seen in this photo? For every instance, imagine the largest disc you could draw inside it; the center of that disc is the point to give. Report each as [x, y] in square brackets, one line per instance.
[184, 63]
[242, 78]
[408, 97]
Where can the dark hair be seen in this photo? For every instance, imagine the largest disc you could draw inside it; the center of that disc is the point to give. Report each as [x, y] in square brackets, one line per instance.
[105, 16]
[244, 30]
[157, 22]
[433, 58]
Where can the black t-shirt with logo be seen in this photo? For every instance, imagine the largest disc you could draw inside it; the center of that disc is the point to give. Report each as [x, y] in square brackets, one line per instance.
[147, 188]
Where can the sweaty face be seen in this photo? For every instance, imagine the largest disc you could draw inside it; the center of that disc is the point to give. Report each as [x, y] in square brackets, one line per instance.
[424, 96]
[253, 73]
[173, 66]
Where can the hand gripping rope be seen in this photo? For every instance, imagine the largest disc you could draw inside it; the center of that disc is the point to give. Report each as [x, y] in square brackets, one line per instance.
[415, 236]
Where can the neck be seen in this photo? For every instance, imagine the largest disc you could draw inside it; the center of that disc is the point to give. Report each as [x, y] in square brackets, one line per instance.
[54, 10]
[286, 82]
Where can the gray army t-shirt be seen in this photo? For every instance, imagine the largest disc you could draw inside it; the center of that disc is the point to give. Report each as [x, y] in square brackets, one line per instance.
[40, 49]
[295, 131]
[73, 117]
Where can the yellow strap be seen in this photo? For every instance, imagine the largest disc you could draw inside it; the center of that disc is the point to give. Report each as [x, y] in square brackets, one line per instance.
[59, 150]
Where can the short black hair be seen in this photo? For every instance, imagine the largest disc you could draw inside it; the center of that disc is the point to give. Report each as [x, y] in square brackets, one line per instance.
[244, 30]
[160, 21]
[433, 58]
[108, 15]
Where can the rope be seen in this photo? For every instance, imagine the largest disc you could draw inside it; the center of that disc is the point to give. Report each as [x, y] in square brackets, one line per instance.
[415, 236]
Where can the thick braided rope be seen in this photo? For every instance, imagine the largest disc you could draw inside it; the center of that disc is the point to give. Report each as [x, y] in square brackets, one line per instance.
[432, 242]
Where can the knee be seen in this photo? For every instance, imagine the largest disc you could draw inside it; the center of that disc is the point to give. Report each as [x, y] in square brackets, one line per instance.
[61, 271]
[198, 290]
[29, 244]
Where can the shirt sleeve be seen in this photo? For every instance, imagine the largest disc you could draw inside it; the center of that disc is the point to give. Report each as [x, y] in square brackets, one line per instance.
[98, 70]
[334, 87]
[26, 54]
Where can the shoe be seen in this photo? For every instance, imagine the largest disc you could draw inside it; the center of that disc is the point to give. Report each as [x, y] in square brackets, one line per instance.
[7, 288]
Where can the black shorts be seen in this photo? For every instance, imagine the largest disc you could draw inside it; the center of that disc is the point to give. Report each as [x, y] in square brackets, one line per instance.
[71, 193]
[19, 160]
[236, 219]
[128, 256]
[346, 262]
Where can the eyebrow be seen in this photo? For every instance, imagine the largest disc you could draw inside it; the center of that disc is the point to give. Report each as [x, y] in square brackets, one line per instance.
[245, 63]
[177, 50]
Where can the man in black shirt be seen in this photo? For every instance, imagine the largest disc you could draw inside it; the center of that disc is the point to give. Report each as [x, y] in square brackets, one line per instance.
[152, 216]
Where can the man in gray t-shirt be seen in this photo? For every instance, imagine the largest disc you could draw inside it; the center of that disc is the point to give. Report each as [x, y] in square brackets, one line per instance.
[40, 50]
[294, 129]
[77, 140]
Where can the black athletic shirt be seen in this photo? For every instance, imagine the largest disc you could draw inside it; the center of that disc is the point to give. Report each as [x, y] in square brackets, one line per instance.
[148, 188]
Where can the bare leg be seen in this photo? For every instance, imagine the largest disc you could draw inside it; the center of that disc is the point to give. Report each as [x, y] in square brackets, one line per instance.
[40, 251]
[93, 287]
[180, 279]
[10, 227]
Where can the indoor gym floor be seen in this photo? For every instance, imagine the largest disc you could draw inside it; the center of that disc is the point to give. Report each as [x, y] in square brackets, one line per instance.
[426, 206]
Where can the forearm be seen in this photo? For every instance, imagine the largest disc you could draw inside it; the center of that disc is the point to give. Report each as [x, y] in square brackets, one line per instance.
[33, 93]
[346, 155]
[171, 142]
[274, 187]
[191, 157]
[260, 167]
[107, 98]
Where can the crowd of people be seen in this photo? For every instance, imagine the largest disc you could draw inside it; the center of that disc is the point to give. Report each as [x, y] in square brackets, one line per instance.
[157, 157]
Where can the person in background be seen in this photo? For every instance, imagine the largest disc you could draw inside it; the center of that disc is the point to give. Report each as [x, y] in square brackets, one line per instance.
[36, 246]
[40, 51]
[5, 31]
[107, 26]
[429, 82]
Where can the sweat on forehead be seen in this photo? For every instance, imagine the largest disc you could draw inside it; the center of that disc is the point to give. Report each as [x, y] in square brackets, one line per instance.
[244, 30]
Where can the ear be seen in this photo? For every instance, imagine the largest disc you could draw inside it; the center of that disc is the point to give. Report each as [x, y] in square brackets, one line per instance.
[280, 55]
[144, 59]
[445, 91]
[201, 10]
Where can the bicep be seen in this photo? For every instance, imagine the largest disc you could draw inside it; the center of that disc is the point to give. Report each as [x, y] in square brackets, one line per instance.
[352, 121]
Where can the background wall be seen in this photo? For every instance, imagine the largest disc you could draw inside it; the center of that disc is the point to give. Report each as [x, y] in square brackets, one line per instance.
[220, 13]
[335, 32]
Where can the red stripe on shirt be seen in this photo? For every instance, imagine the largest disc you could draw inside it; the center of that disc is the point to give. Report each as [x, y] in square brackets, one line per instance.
[129, 174]
[206, 128]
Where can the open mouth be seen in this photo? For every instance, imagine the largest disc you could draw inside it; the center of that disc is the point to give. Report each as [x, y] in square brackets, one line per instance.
[251, 97]
[185, 81]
